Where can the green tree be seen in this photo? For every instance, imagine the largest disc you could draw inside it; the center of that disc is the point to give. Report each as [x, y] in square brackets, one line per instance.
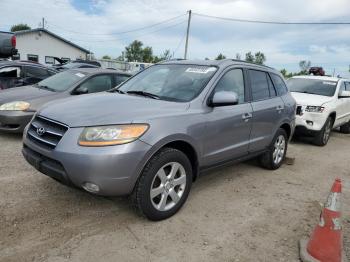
[20, 27]
[166, 55]
[134, 52]
[106, 57]
[284, 72]
[259, 58]
[147, 54]
[220, 57]
[304, 67]
[249, 57]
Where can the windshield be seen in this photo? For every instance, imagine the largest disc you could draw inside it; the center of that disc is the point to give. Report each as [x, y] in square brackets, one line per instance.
[170, 82]
[312, 86]
[61, 81]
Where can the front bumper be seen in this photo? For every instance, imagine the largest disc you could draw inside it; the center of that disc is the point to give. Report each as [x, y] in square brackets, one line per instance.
[115, 169]
[14, 121]
[310, 122]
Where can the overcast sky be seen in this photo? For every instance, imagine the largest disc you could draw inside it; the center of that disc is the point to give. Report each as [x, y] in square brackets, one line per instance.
[96, 24]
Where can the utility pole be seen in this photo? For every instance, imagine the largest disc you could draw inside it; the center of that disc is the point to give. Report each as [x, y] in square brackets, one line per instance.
[188, 32]
[43, 23]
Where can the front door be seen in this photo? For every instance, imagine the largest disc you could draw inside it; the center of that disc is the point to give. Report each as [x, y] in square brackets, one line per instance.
[228, 127]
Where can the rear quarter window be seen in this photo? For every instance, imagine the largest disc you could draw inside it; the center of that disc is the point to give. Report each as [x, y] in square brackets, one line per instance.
[280, 86]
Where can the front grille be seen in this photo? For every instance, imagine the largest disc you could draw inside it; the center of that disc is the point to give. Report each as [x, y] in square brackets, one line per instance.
[299, 110]
[46, 132]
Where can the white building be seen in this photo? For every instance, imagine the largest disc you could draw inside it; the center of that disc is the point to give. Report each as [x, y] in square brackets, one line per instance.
[41, 45]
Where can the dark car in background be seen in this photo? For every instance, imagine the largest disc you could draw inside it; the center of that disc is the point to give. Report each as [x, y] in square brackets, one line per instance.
[18, 105]
[7, 44]
[22, 73]
[77, 64]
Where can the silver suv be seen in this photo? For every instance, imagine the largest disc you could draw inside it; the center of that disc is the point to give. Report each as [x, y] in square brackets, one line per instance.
[153, 135]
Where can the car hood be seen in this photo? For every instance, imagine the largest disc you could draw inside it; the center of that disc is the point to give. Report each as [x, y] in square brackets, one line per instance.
[33, 95]
[108, 109]
[310, 99]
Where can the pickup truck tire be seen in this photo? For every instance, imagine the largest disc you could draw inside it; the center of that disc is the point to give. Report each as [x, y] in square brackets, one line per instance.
[164, 185]
[322, 137]
[274, 157]
[345, 129]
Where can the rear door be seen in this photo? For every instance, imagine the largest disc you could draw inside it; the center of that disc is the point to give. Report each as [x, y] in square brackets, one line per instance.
[267, 110]
[228, 127]
[343, 105]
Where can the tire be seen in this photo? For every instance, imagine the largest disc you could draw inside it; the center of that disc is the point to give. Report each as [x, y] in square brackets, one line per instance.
[277, 151]
[170, 189]
[322, 137]
[345, 129]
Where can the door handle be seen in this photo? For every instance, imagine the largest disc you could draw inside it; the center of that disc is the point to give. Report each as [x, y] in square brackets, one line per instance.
[247, 116]
[279, 108]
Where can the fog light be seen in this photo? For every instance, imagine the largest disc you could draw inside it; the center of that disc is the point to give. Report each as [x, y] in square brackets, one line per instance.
[310, 123]
[91, 187]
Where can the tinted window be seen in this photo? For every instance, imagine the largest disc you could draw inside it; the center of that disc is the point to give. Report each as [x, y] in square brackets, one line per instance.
[120, 79]
[347, 86]
[312, 86]
[259, 84]
[171, 82]
[272, 89]
[232, 81]
[98, 84]
[36, 72]
[279, 84]
[342, 87]
[62, 81]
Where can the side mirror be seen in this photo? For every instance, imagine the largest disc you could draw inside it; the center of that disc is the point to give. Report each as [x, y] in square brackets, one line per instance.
[344, 94]
[224, 98]
[81, 91]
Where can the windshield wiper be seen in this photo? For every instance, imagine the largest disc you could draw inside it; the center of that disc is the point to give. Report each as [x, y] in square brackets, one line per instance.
[117, 91]
[46, 87]
[143, 93]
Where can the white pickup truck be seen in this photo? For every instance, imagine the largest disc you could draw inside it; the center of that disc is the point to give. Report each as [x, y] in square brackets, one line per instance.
[7, 44]
[323, 103]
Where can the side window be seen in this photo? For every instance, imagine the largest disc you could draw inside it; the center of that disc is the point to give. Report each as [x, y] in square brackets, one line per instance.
[272, 89]
[232, 81]
[342, 87]
[259, 85]
[279, 84]
[36, 72]
[11, 71]
[120, 79]
[347, 86]
[98, 84]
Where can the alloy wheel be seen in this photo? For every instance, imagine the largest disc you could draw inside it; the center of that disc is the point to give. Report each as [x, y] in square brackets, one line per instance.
[279, 149]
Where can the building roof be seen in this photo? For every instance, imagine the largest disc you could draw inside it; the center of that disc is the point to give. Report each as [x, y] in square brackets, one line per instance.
[52, 34]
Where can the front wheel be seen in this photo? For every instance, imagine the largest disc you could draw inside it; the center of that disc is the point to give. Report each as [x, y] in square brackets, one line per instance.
[345, 129]
[277, 151]
[164, 185]
[322, 137]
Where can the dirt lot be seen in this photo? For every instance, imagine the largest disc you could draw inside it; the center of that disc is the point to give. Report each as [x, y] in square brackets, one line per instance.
[239, 213]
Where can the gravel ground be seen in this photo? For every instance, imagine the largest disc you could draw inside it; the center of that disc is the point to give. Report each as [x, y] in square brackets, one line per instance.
[237, 213]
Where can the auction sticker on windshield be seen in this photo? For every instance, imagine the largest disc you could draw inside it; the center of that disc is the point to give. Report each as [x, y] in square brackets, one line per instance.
[198, 70]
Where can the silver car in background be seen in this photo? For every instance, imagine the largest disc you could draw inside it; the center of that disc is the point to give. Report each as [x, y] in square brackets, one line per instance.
[157, 132]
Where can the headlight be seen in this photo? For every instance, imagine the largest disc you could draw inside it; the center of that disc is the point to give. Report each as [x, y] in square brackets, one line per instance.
[111, 135]
[314, 109]
[15, 106]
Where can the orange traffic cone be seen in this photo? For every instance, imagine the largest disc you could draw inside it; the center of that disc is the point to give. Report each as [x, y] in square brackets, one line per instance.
[325, 243]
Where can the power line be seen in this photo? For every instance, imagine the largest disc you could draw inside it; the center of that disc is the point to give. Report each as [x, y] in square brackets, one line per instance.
[123, 38]
[269, 22]
[123, 32]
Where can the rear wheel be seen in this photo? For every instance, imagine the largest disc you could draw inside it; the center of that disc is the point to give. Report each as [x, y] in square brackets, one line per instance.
[345, 129]
[274, 157]
[164, 184]
[322, 137]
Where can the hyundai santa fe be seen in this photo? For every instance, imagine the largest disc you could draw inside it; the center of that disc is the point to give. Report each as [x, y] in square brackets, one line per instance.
[153, 135]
